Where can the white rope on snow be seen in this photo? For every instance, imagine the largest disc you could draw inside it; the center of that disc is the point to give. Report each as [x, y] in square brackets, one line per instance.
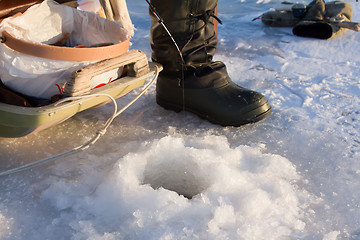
[99, 133]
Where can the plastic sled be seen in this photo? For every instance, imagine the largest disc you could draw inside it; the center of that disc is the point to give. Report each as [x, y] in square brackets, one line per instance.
[17, 120]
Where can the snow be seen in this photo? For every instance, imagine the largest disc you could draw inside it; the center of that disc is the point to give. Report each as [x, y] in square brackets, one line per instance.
[158, 174]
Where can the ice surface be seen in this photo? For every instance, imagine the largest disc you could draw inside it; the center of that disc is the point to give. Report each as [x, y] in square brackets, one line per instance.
[157, 174]
[235, 192]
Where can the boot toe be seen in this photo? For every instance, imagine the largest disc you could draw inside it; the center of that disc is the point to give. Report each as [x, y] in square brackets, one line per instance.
[232, 105]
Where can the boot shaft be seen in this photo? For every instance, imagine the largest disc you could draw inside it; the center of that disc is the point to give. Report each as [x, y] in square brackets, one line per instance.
[191, 23]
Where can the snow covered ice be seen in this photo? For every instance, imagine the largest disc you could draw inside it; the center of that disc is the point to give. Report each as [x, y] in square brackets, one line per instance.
[158, 174]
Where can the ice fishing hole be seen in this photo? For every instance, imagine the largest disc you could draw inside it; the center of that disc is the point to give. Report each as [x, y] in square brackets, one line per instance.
[184, 177]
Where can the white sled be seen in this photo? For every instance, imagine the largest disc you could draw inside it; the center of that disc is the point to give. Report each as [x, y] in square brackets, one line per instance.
[17, 121]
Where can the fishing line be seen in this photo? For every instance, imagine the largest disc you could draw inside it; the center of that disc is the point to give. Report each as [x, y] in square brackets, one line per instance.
[116, 113]
[92, 141]
[161, 22]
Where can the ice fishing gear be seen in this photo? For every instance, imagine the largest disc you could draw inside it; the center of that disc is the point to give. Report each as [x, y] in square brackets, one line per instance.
[206, 88]
[316, 20]
[86, 99]
[19, 116]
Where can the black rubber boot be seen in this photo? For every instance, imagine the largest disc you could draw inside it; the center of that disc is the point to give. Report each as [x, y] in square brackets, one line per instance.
[196, 83]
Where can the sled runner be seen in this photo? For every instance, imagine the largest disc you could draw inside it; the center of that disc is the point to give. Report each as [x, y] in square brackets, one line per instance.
[20, 116]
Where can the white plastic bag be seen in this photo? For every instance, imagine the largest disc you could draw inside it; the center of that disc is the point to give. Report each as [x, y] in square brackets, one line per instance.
[46, 23]
[91, 6]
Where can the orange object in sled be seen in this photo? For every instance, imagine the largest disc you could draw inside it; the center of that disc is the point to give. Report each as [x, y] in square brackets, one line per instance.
[65, 53]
